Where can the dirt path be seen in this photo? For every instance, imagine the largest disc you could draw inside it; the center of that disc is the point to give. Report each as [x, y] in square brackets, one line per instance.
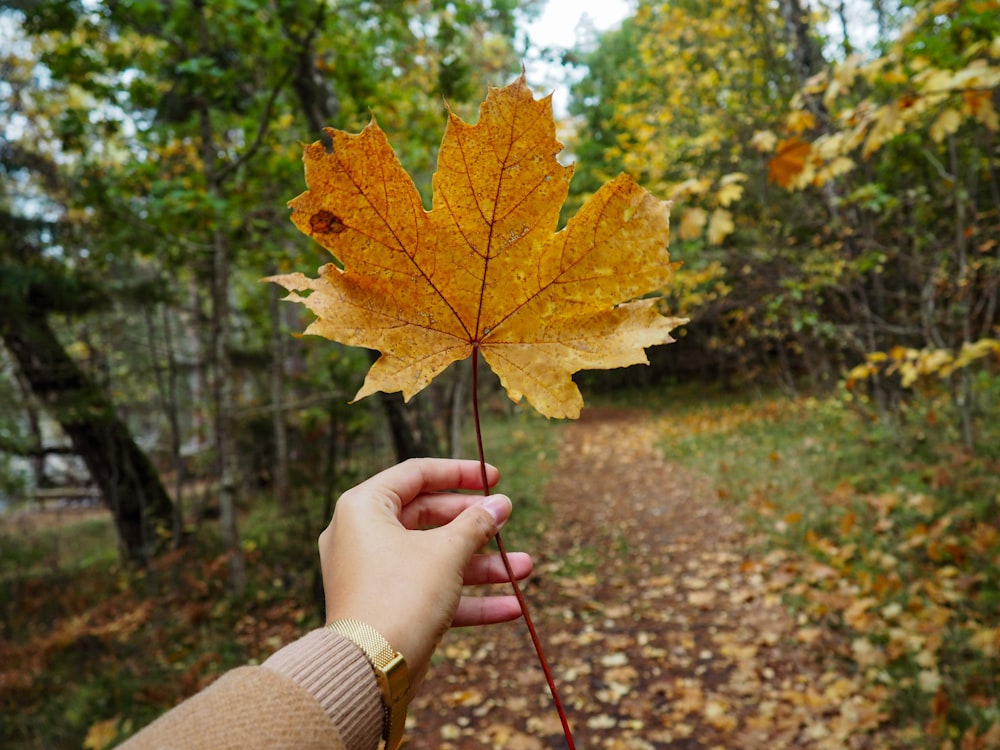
[661, 626]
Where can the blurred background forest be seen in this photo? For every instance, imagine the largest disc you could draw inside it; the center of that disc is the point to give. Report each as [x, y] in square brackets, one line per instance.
[834, 167]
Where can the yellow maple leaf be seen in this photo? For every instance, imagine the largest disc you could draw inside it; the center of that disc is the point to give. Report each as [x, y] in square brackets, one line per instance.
[693, 186]
[798, 121]
[982, 108]
[789, 161]
[729, 194]
[764, 140]
[947, 123]
[888, 123]
[693, 222]
[484, 271]
[720, 226]
[101, 734]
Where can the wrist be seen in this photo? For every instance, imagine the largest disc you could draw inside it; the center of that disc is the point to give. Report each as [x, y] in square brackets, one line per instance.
[390, 671]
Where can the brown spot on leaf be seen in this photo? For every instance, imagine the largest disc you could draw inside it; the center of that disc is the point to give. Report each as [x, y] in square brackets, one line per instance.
[325, 222]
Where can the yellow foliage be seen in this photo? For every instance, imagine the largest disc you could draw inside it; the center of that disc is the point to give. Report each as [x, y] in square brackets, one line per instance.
[915, 364]
[764, 140]
[733, 178]
[728, 194]
[102, 734]
[720, 226]
[839, 166]
[693, 288]
[730, 188]
[895, 76]
[980, 104]
[789, 161]
[693, 222]
[799, 121]
[887, 124]
[688, 92]
[938, 100]
[694, 186]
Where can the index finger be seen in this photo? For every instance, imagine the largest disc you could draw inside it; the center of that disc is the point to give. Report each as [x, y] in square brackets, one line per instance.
[405, 481]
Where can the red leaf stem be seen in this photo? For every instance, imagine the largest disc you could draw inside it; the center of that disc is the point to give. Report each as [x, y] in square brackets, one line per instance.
[536, 641]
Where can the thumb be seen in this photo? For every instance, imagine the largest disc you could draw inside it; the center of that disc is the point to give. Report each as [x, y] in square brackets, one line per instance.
[479, 523]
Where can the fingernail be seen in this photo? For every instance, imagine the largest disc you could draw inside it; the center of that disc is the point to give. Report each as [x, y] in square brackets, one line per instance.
[498, 506]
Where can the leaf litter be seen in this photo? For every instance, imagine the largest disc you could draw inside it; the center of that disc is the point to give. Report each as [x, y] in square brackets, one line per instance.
[664, 625]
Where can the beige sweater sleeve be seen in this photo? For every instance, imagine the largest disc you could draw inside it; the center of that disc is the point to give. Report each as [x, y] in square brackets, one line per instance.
[318, 692]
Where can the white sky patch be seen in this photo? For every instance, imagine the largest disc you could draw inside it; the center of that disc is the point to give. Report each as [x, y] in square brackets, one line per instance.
[564, 24]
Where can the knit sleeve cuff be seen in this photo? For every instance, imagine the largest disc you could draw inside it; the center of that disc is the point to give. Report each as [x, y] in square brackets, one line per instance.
[338, 675]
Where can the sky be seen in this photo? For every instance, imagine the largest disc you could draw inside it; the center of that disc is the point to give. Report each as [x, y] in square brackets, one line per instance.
[562, 24]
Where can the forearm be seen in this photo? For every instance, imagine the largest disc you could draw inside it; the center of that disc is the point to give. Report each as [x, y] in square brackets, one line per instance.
[339, 677]
[318, 692]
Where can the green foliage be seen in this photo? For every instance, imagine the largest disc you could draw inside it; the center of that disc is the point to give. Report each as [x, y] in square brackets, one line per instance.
[153, 148]
[29, 552]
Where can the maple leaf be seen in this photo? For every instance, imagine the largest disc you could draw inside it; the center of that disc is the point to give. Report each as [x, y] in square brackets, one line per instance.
[720, 226]
[789, 161]
[693, 223]
[102, 734]
[484, 270]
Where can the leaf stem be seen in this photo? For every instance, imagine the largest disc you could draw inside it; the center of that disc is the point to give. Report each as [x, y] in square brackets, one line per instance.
[535, 640]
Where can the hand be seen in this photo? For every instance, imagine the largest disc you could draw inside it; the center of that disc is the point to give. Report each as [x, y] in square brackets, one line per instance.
[400, 548]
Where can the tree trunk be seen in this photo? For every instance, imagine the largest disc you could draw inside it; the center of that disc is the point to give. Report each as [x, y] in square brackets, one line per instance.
[964, 398]
[166, 387]
[408, 441]
[222, 384]
[278, 399]
[129, 483]
[805, 50]
[225, 438]
[845, 44]
[31, 414]
[321, 105]
[882, 21]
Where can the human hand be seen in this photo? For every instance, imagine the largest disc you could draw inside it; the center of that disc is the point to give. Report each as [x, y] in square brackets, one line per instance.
[400, 547]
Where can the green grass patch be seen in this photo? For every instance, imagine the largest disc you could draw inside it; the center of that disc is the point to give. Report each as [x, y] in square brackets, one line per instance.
[63, 544]
[525, 447]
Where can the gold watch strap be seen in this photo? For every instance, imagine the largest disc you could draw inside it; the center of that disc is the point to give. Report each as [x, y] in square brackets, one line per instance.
[390, 671]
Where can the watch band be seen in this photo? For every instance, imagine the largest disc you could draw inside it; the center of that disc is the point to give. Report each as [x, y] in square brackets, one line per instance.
[390, 671]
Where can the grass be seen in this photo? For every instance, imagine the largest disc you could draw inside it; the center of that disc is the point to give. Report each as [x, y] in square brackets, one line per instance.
[65, 543]
[524, 446]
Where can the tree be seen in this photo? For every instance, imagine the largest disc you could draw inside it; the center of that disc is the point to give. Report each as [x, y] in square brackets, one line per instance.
[906, 142]
[674, 97]
[170, 137]
[29, 293]
[835, 197]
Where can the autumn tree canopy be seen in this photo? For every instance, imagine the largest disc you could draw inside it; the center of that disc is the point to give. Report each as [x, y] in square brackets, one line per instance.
[835, 192]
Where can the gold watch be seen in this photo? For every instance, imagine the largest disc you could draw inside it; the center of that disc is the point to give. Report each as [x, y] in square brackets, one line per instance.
[390, 671]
